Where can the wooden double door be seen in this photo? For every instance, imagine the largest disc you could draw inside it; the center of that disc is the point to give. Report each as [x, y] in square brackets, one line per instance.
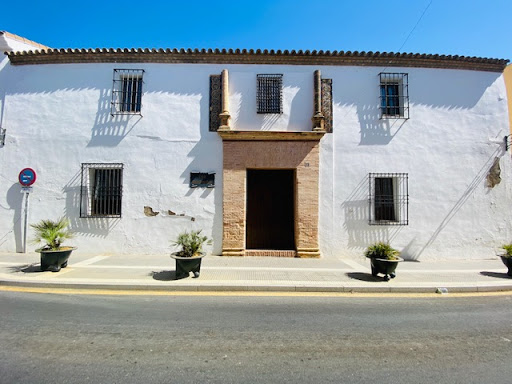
[270, 220]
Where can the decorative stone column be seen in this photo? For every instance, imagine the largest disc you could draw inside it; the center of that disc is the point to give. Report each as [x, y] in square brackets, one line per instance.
[224, 116]
[318, 117]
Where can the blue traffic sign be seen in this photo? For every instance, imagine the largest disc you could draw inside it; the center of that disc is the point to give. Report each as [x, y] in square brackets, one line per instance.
[27, 177]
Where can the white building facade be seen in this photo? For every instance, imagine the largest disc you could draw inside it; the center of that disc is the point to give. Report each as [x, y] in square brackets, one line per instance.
[306, 154]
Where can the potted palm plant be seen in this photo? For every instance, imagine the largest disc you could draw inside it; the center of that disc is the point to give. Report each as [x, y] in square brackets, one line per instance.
[54, 256]
[188, 258]
[507, 258]
[384, 259]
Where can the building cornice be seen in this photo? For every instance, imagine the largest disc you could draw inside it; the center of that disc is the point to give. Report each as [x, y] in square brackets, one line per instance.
[243, 56]
[230, 135]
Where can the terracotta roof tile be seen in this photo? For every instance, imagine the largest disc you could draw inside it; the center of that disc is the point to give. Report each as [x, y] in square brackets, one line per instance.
[251, 56]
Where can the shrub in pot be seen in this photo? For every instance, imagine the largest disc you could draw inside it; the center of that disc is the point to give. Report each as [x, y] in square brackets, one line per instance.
[507, 258]
[384, 259]
[188, 258]
[54, 256]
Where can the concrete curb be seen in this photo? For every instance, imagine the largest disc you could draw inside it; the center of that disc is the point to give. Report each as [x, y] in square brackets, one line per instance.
[226, 287]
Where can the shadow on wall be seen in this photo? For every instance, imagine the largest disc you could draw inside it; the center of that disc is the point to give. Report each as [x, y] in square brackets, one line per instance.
[16, 200]
[360, 233]
[87, 227]
[269, 120]
[437, 89]
[477, 180]
[449, 89]
[296, 115]
[294, 96]
[201, 161]
[376, 131]
[108, 130]
[2, 103]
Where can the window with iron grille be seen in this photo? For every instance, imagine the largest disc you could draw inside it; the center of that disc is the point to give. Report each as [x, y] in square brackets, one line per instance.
[127, 91]
[388, 199]
[394, 95]
[269, 93]
[102, 190]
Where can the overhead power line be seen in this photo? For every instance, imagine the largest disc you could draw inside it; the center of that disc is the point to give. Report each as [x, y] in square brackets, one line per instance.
[413, 28]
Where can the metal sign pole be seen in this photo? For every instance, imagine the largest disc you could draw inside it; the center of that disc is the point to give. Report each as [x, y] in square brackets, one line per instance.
[27, 194]
[27, 177]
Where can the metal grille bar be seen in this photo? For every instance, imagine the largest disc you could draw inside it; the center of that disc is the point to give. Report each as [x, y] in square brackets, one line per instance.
[508, 142]
[2, 136]
[388, 198]
[394, 95]
[269, 93]
[101, 190]
[127, 91]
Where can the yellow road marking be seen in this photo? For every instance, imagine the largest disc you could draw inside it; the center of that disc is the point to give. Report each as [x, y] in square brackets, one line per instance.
[114, 292]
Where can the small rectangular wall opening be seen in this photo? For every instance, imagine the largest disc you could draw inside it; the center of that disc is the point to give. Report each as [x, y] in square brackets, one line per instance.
[270, 219]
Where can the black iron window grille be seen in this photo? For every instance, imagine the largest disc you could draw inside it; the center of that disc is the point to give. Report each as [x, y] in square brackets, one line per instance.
[127, 91]
[269, 93]
[388, 199]
[101, 190]
[2, 136]
[202, 179]
[394, 95]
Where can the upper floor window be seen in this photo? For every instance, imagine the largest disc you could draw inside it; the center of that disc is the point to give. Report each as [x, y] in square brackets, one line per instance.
[101, 190]
[394, 95]
[127, 91]
[269, 93]
[389, 199]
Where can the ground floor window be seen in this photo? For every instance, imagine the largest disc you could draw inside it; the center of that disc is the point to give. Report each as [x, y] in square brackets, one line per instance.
[388, 199]
[101, 190]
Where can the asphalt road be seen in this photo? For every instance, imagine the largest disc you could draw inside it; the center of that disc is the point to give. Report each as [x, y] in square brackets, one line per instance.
[47, 338]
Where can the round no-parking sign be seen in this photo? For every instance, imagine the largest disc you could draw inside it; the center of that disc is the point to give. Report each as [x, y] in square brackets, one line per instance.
[27, 177]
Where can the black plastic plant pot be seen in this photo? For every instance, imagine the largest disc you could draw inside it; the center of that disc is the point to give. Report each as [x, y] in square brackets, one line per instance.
[55, 260]
[385, 267]
[508, 263]
[185, 265]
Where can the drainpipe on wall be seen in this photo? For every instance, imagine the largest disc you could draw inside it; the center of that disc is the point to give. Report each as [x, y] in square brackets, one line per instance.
[507, 74]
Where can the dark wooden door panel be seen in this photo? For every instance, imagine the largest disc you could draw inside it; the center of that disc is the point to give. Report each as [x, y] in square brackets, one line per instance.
[270, 209]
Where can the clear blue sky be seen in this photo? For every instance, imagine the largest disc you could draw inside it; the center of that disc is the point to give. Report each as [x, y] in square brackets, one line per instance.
[463, 27]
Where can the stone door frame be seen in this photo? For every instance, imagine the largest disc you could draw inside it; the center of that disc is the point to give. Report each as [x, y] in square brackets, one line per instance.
[278, 150]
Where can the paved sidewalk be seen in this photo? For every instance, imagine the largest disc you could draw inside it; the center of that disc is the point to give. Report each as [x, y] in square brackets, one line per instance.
[157, 272]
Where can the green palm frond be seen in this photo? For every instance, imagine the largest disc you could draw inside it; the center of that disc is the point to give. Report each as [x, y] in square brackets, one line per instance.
[382, 250]
[508, 249]
[53, 233]
[191, 243]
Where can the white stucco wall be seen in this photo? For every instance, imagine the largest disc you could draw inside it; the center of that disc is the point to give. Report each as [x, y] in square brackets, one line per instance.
[457, 123]
[58, 116]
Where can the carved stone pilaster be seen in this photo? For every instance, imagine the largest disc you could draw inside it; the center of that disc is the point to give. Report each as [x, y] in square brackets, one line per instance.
[225, 116]
[318, 117]
[327, 104]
